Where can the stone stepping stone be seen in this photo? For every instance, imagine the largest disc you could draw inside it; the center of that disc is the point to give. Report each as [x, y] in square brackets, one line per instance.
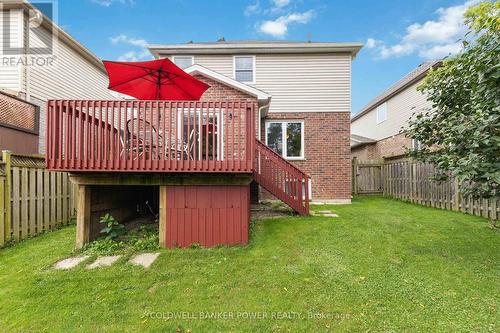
[69, 263]
[103, 262]
[144, 259]
[324, 211]
[330, 215]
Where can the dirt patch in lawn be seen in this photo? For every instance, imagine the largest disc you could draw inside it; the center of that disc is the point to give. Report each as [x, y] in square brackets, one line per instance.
[267, 210]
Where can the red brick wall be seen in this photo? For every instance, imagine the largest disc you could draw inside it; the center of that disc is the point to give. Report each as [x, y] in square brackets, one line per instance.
[392, 147]
[219, 91]
[326, 151]
[366, 152]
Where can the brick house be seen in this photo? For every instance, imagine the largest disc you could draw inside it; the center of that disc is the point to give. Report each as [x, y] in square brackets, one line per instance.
[305, 105]
[274, 121]
[376, 129]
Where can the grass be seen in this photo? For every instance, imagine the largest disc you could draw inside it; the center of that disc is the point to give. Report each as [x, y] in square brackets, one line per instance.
[383, 265]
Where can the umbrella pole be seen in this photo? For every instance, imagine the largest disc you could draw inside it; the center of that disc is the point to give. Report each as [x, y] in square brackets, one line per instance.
[158, 86]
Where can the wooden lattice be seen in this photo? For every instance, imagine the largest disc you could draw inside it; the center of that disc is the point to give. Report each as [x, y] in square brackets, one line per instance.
[17, 113]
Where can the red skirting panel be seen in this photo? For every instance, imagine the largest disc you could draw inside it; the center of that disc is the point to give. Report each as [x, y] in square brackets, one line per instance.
[207, 215]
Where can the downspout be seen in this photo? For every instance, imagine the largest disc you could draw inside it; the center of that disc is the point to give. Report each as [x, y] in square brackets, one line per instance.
[259, 134]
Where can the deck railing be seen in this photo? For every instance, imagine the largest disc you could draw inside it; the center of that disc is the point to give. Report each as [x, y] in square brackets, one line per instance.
[281, 178]
[150, 136]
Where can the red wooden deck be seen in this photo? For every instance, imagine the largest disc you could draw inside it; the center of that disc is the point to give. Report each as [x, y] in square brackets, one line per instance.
[150, 136]
[168, 136]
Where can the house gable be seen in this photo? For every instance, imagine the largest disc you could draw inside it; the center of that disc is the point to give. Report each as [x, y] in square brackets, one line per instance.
[227, 88]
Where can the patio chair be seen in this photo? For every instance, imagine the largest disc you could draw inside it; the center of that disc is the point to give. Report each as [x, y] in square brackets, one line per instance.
[183, 149]
[142, 142]
[146, 141]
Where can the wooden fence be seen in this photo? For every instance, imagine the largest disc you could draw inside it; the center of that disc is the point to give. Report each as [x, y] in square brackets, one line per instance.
[413, 181]
[32, 199]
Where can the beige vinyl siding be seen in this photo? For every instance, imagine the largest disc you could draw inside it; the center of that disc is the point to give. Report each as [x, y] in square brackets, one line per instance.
[297, 82]
[222, 64]
[11, 76]
[399, 109]
[306, 82]
[71, 77]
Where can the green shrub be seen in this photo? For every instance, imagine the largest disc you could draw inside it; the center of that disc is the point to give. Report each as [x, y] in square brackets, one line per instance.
[113, 228]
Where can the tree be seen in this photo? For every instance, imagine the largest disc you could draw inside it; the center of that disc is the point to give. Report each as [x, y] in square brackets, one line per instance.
[460, 133]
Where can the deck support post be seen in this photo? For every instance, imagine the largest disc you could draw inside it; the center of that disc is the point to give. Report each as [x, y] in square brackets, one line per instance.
[83, 216]
[163, 217]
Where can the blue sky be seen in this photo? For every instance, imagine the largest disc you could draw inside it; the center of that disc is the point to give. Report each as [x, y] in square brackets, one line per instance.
[399, 34]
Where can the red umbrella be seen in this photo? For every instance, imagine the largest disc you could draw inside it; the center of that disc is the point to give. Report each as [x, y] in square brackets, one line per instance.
[153, 80]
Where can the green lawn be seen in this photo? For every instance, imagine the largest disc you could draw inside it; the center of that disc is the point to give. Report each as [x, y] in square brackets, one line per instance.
[383, 265]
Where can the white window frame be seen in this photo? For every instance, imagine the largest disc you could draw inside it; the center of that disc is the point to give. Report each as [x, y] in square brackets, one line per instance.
[283, 137]
[184, 56]
[254, 73]
[382, 106]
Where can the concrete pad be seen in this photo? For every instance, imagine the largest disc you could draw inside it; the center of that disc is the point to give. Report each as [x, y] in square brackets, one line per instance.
[144, 259]
[330, 215]
[70, 262]
[103, 262]
[324, 211]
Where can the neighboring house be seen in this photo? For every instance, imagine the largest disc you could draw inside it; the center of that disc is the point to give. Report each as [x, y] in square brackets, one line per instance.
[376, 129]
[304, 93]
[68, 71]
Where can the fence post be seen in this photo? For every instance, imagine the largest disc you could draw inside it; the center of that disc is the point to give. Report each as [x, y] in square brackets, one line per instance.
[8, 193]
[2, 210]
[354, 175]
[456, 197]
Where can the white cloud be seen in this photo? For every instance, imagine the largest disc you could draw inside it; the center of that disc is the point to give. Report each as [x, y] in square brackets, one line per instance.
[107, 3]
[141, 53]
[124, 39]
[279, 27]
[441, 51]
[252, 9]
[432, 39]
[278, 7]
[280, 3]
[128, 56]
[370, 43]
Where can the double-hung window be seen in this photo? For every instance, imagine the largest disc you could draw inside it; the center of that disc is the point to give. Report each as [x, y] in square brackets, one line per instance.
[183, 61]
[286, 138]
[244, 69]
